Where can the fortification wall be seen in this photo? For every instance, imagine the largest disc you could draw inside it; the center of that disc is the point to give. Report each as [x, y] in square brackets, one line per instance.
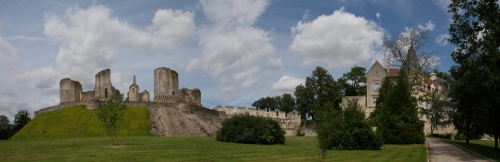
[289, 122]
[69, 90]
[103, 88]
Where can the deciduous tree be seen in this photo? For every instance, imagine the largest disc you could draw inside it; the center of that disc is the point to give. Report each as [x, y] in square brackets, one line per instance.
[5, 128]
[111, 115]
[353, 83]
[21, 119]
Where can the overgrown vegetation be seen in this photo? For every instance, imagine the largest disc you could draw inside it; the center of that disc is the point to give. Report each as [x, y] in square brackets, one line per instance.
[7, 130]
[251, 130]
[80, 122]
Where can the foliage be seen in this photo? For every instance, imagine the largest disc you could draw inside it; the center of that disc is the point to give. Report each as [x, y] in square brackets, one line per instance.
[21, 119]
[251, 130]
[353, 83]
[438, 112]
[147, 148]
[284, 103]
[444, 136]
[475, 32]
[287, 103]
[5, 128]
[111, 115]
[320, 89]
[396, 117]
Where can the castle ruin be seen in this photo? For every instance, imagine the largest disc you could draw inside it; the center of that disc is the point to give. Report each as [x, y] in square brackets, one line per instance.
[173, 111]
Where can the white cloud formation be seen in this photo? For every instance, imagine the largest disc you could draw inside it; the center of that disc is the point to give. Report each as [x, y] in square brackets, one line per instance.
[232, 48]
[340, 39]
[428, 26]
[274, 63]
[286, 84]
[442, 39]
[91, 38]
[443, 4]
[378, 15]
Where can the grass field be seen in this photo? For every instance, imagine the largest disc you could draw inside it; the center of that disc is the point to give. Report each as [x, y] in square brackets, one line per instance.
[80, 122]
[148, 148]
[482, 147]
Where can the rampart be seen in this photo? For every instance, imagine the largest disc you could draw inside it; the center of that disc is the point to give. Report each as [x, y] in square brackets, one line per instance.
[290, 122]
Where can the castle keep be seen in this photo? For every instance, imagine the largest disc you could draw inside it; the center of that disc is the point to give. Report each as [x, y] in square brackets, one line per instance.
[173, 111]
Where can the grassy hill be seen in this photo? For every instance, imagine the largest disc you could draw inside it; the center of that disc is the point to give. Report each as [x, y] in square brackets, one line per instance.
[80, 122]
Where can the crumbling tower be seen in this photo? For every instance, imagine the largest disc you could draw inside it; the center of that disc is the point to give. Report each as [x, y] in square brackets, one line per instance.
[133, 94]
[69, 90]
[166, 85]
[103, 88]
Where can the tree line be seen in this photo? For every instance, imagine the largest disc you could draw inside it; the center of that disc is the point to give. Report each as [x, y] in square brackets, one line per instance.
[7, 130]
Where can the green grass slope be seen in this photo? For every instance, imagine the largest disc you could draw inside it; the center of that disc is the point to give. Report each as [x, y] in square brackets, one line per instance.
[80, 122]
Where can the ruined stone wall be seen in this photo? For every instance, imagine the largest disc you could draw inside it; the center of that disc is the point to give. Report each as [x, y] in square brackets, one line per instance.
[87, 96]
[69, 90]
[103, 88]
[190, 96]
[166, 83]
[290, 122]
[144, 95]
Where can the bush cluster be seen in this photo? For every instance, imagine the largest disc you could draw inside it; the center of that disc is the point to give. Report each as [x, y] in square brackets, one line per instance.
[251, 130]
[445, 136]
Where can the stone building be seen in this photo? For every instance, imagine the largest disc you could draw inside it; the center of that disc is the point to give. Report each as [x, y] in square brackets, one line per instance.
[166, 85]
[424, 85]
[103, 88]
[69, 90]
[135, 95]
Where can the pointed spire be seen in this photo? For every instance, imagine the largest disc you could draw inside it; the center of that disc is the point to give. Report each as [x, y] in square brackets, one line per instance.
[134, 78]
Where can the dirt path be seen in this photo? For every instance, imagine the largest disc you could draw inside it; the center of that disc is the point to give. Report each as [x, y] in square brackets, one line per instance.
[440, 151]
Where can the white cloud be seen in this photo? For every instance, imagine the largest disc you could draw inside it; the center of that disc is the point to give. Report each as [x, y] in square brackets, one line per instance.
[443, 4]
[7, 53]
[442, 39]
[340, 39]
[428, 26]
[286, 84]
[274, 63]
[232, 49]
[90, 39]
[378, 15]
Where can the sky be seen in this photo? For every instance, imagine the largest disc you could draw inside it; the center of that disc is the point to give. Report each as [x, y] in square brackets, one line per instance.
[235, 52]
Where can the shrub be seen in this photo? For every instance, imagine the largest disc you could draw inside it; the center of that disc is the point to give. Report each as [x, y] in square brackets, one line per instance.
[445, 136]
[251, 130]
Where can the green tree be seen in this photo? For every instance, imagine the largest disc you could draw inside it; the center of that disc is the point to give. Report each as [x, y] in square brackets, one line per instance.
[437, 113]
[396, 117]
[20, 120]
[266, 102]
[475, 32]
[5, 128]
[353, 83]
[319, 90]
[287, 103]
[111, 115]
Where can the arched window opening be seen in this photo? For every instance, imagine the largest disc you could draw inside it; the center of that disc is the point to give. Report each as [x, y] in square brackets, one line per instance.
[105, 93]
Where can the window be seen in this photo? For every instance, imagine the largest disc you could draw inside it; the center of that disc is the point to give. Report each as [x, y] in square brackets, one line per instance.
[374, 99]
[376, 86]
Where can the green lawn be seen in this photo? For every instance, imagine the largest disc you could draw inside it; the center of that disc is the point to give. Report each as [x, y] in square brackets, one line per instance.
[148, 148]
[482, 147]
[80, 122]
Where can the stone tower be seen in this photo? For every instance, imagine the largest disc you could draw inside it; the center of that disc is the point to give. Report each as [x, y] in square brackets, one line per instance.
[133, 93]
[166, 84]
[69, 90]
[103, 88]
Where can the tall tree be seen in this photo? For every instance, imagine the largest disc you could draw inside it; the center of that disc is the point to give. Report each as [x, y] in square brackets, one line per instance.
[353, 83]
[409, 51]
[437, 112]
[319, 90]
[396, 118]
[111, 115]
[475, 32]
[5, 128]
[287, 103]
[266, 102]
[21, 119]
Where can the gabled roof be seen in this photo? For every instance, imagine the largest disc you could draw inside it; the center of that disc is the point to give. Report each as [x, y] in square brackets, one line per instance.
[393, 72]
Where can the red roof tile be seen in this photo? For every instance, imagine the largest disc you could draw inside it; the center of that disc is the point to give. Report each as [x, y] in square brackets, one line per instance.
[393, 72]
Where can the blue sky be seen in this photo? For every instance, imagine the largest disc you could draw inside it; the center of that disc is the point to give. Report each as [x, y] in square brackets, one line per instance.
[233, 51]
